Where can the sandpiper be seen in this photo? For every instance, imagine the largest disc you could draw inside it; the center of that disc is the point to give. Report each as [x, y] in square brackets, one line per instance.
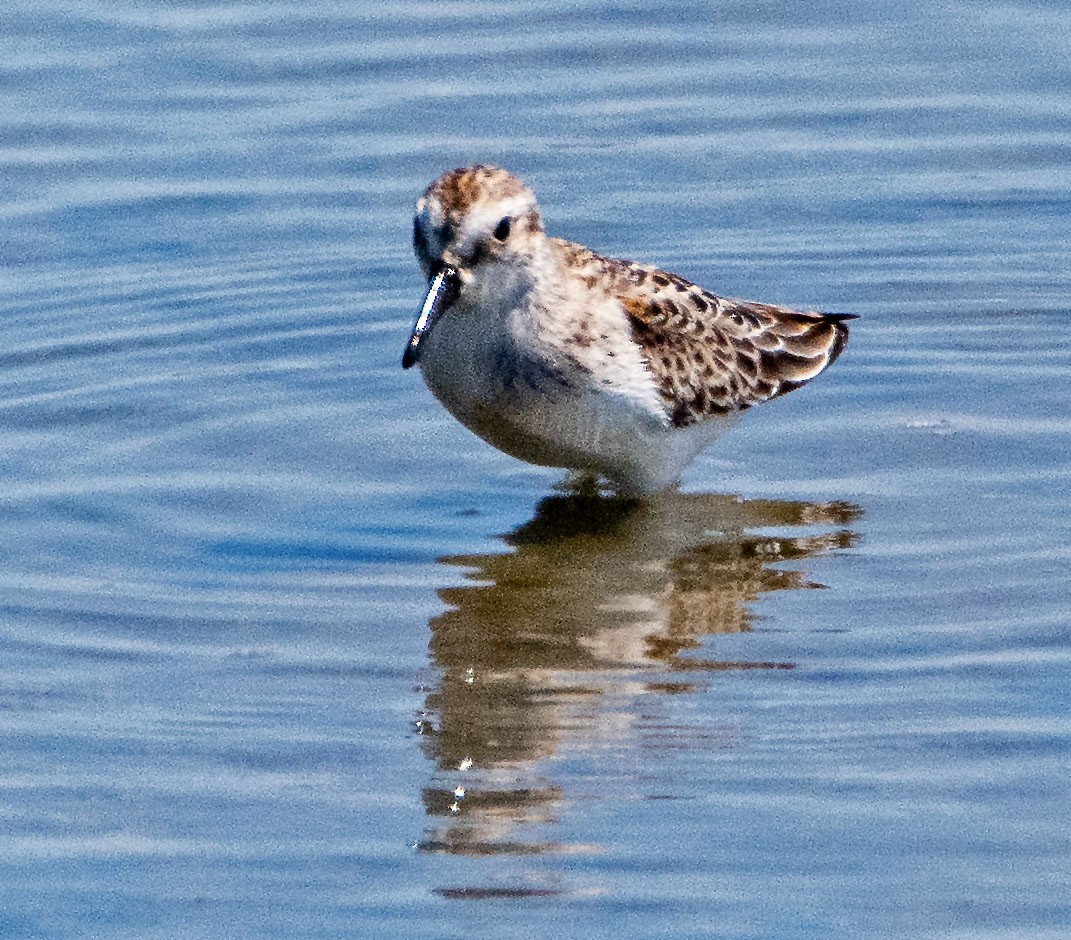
[566, 358]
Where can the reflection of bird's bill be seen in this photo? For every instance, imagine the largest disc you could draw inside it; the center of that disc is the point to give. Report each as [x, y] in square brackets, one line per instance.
[442, 292]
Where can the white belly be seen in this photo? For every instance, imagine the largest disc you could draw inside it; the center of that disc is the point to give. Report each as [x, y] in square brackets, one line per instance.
[556, 414]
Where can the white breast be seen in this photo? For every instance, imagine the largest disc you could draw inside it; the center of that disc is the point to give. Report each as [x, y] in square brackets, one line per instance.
[517, 383]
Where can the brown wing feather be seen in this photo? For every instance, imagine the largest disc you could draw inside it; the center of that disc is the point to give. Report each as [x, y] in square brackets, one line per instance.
[712, 355]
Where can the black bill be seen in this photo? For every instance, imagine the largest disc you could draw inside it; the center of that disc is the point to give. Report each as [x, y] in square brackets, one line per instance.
[442, 291]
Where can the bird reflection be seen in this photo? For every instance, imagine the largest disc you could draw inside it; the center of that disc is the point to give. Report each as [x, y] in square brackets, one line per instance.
[595, 598]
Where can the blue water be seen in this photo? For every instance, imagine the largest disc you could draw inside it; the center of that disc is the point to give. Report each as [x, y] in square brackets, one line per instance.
[285, 652]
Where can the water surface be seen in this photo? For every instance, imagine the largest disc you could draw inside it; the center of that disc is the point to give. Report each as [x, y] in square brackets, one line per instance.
[284, 651]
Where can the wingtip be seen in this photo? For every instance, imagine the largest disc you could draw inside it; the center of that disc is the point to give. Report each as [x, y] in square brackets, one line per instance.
[840, 334]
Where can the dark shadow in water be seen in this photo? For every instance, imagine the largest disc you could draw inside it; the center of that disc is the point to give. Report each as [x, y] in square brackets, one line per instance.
[596, 597]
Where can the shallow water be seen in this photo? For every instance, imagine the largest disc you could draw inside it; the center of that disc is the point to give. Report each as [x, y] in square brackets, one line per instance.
[284, 651]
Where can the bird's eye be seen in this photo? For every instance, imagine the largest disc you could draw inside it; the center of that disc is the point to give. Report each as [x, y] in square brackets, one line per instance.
[501, 231]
